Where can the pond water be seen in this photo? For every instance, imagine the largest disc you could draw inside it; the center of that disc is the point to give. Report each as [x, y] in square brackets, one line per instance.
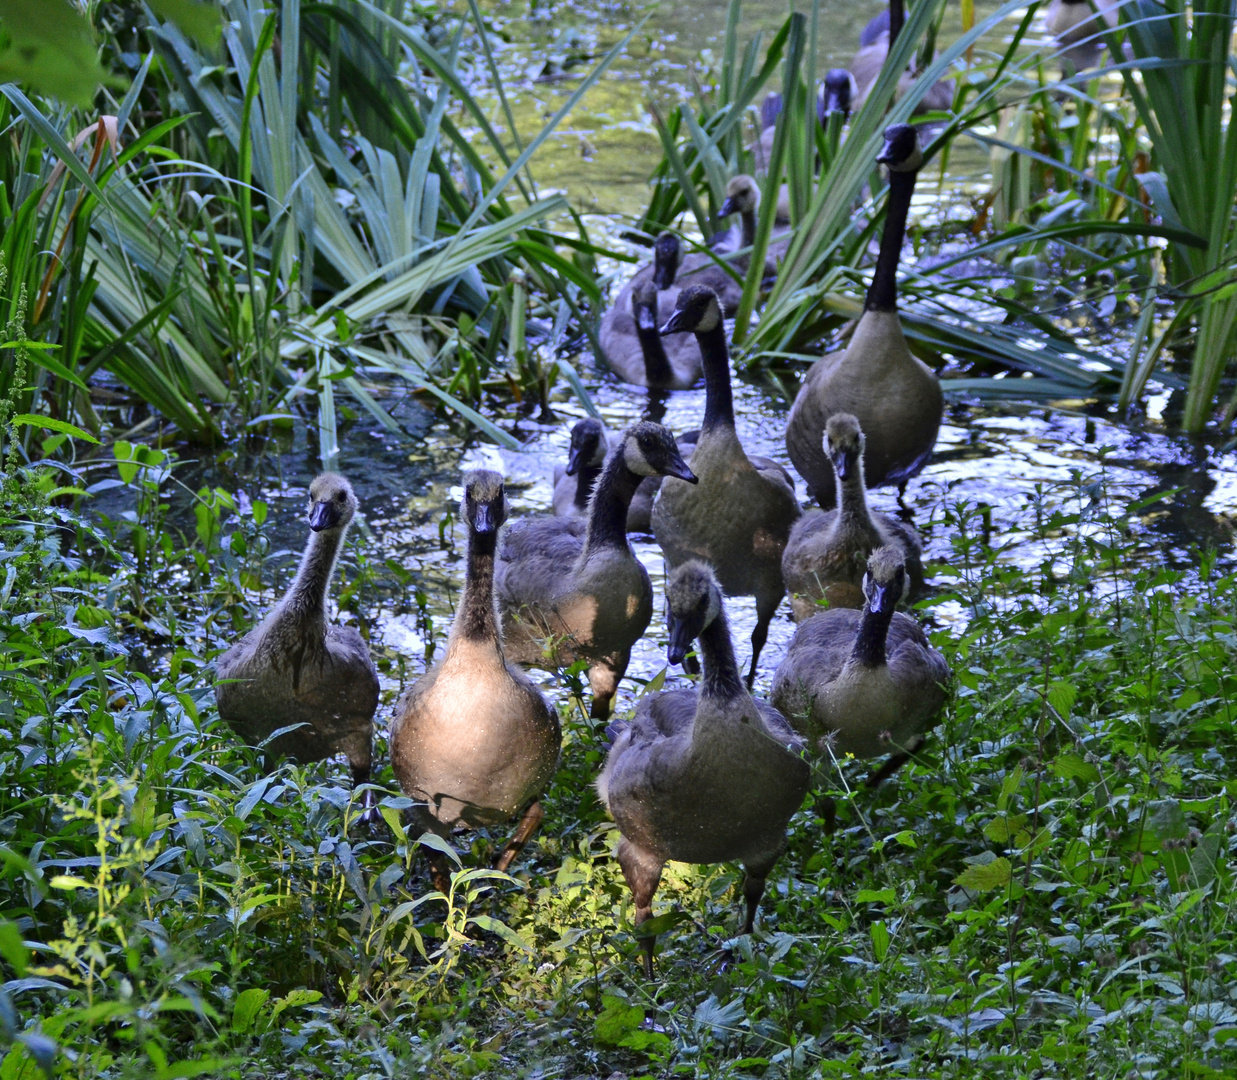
[998, 455]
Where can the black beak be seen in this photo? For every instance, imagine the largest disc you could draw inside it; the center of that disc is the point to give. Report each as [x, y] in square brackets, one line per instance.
[573, 460]
[841, 463]
[729, 207]
[676, 466]
[486, 518]
[663, 275]
[323, 515]
[881, 600]
[646, 319]
[680, 640]
[674, 324]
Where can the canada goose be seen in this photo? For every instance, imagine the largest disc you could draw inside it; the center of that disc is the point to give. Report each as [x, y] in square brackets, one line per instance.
[874, 42]
[740, 514]
[573, 483]
[640, 513]
[701, 777]
[473, 741]
[570, 589]
[864, 683]
[838, 94]
[895, 397]
[295, 669]
[827, 553]
[637, 354]
[1077, 30]
[742, 198]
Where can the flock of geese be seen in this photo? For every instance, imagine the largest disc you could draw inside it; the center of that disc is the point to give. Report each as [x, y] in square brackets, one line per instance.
[704, 775]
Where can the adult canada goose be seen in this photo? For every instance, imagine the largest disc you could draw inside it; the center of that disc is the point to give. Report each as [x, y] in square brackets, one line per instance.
[702, 776]
[294, 669]
[838, 94]
[1077, 30]
[573, 482]
[827, 554]
[874, 42]
[573, 590]
[473, 741]
[637, 354]
[895, 397]
[640, 513]
[865, 683]
[739, 516]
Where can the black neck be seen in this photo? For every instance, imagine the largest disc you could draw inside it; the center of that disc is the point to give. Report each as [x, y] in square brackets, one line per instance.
[869, 647]
[308, 591]
[607, 516]
[883, 294]
[657, 371]
[586, 477]
[477, 620]
[896, 18]
[748, 218]
[718, 401]
[721, 673]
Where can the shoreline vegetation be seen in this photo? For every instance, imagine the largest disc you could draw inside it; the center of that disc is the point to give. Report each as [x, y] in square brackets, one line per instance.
[217, 231]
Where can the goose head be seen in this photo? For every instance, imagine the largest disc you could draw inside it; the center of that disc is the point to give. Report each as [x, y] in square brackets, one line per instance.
[697, 310]
[644, 305]
[667, 255]
[588, 445]
[742, 197]
[484, 507]
[844, 444]
[332, 502]
[840, 93]
[695, 600]
[901, 152]
[885, 580]
[648, 449]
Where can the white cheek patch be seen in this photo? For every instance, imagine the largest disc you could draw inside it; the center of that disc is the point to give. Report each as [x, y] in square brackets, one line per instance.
[635, 460]
[715, 607]
[711, 319]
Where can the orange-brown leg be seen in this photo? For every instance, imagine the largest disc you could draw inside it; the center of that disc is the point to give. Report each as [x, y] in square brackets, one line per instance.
[529, 824]
[642, 871]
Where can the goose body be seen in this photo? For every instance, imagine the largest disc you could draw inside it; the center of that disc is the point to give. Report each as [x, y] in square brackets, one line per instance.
[473, 741]
[703, 777]
[1077, 30]
[826, 556]
[739, 515]
[863, 683]
[635, 351]
[895, 396]
[294, 668]
[571, 589]
[874, 42]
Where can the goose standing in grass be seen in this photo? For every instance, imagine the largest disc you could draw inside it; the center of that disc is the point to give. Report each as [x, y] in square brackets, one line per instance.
[573, 590]
[637, 354]
[895, 397]
[739, 516]
[1078, 31]
[702, 776]
[573, 482]
[827, 554]
[864, 683]
[473, 741]
[294, 669]
[874, 42]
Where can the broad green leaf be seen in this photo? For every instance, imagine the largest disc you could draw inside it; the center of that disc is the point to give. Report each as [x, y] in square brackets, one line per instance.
[987, 876]
[248, 1004]
[1062, 695]
[616, 1021]
[13, 948]
[879, 933]
[51, 48]
[201, 19]
[52, 424]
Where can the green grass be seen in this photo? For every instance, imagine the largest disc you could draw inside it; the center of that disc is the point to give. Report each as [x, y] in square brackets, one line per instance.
[1046, 891]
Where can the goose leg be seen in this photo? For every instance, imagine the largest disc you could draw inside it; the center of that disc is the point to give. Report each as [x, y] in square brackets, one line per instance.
[603, 679]
[766, 607]
[359, 750]
[893, 764]
[753, 889]
[642, 871]
[529, 824]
